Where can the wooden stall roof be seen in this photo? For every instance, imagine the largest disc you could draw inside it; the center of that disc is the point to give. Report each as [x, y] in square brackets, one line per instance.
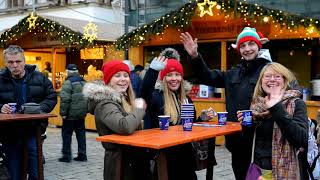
[231, 16]
[66, 30]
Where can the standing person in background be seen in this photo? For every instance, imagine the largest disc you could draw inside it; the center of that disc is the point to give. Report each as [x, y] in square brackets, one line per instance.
[239, 83]
[137, 69]
[116, 110]
[135, 78]
[281, 125]
[143, 72]
[20, 83]
[47, 69]
[73, 109]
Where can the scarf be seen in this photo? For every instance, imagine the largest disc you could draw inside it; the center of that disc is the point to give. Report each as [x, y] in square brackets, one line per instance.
[284, 161]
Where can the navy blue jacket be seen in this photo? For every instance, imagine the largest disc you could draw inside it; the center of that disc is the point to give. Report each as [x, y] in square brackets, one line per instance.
[153, 98]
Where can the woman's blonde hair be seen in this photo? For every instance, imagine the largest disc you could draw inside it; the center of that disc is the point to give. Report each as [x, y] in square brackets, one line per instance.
[169, 98]
[287, 75]
[128, 99]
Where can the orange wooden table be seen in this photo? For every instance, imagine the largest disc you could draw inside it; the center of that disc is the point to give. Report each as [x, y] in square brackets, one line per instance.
[160, 140]
[30, 118]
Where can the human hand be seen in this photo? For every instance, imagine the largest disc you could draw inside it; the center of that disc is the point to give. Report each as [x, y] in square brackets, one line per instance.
[274, 97]
[190, 45]
[211, 113]
[6, 109]
[140, 103]
[240, 116]
[158, 63]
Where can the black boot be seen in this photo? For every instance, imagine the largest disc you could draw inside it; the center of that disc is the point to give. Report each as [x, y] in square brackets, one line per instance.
[80, 158]
[64, 159]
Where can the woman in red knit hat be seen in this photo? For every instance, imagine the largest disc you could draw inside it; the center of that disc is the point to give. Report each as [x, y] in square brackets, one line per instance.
[164, 97]
[116, 110]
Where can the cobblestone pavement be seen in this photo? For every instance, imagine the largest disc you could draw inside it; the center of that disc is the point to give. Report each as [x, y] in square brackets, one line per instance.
[93, 168]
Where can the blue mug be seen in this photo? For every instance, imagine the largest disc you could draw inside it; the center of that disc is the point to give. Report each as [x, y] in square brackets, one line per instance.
[187, 123]
[222, 118]
[247, 117]
[164, 121]
[13, 107]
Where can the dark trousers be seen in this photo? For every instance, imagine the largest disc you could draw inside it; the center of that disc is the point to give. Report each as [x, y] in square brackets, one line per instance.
[240, 165]
[14, 156]
[68, 127]
[240, 145]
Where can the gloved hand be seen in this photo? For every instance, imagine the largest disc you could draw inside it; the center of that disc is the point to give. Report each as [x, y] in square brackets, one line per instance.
[140, 103]
[158, 63]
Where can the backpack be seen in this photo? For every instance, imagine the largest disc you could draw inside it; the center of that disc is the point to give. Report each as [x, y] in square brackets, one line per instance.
[313, 151]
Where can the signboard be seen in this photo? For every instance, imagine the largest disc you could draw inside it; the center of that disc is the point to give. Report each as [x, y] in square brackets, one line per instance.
[43, 40]
[92, 53]
[219, 29]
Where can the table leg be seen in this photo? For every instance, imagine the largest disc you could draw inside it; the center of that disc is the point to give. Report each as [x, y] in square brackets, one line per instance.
[210, 164]
[119, 166]
[25, 140]
[162, 166]
[39, 152]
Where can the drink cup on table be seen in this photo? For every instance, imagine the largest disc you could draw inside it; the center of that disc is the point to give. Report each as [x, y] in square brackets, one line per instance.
[164, 121]
[187, 122]
[222, 118]
[247, 117]
[13, 107]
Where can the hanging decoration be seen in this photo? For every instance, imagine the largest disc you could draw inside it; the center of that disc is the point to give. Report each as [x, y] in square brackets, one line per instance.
[32, 20]
[206, 7]
[249, 13]
[90, 32]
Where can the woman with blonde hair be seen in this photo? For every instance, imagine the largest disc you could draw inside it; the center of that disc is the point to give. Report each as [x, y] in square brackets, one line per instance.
[165, 90]
[116, 110]
[281, 125]
[165, 98]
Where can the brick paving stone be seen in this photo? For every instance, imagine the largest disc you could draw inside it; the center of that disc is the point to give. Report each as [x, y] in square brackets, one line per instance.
[93, 168]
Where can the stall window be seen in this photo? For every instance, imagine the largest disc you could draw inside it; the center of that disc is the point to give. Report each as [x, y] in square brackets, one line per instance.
[233, 57]
[295, 54]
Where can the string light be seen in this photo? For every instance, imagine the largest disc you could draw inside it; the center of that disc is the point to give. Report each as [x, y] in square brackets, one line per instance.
[37, 24]
[249, 13]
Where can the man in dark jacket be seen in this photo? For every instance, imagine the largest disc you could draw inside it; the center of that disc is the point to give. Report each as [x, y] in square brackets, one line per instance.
[20, 83]
[73, 109]
[239, 83]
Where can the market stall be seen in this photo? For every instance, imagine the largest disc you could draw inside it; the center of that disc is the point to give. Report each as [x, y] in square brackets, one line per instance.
[216, 24]
[51, 43]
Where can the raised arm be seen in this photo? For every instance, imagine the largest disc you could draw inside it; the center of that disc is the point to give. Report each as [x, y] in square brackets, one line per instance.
[204, 74]
[150, 79]
[294, 128]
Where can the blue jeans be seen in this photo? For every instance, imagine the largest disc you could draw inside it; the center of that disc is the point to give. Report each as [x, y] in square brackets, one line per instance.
[14, 153]
[68, 127]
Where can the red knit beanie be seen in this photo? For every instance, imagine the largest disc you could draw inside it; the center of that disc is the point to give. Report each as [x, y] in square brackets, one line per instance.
[172, 65]
[112, 67]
